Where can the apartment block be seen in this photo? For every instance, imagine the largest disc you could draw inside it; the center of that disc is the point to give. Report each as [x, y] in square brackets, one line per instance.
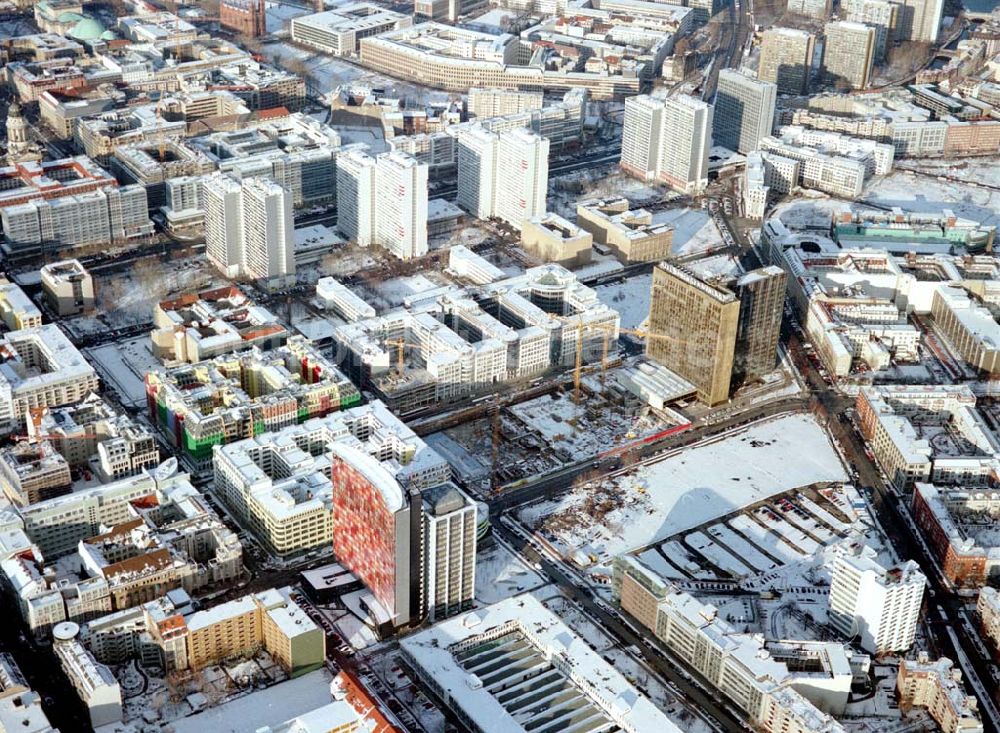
[744, 111]
[343, 301]
[629, 233]
[16, 309]
[503, 175]
[970, 327]
[476, 269]
[898, 422]
[236, 396]
[786, 58]
[31, 472]
[383, 200]
[94, 682]
[811, 8]
[168, 539]
[878, 606]
[790, 687]
[988, 608]
[882, 15]
[667, 140]
[499, 102]
[937, 686]
[551, 238]
[849, 54]
[151, 163]
[951, 521]
[450, 533]
[68, 287]
[919, 20]
[198, 326]
[40, 368]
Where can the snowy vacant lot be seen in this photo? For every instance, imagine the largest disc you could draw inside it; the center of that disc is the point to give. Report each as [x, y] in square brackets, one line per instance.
[688, 488]
[629, 298]
[694, 230]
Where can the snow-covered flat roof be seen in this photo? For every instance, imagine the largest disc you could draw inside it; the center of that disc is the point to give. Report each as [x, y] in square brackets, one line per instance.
[446, 652]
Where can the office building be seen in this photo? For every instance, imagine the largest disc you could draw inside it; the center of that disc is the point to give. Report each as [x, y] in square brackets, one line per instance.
[668, 140]
[500, 102]
[786, 58]
[878, 607]
[450, 533]
[342, 301]
[471, 267]
[339, 32]
[94, 682]
[811, 8]
[356, 195]
[16, 309]
[629, 233]
[249, 231]
[512, 649]
[882, 15]
[937, 686]
[848, 54]
[919, 20]
[693, 326]
[762, 301]
[503, 175]
[744, 111]
[41, 367]
[30, 473]
[68, 287]
[551, 238]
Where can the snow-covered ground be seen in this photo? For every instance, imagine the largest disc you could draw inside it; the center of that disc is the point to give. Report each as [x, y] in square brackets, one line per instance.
[279, 14]
[689, 488]
[501, 574]
[931, 196]
[630, 299]
[694, 230]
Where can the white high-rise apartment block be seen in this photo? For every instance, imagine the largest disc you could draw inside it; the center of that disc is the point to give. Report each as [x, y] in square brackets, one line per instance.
[401, 205]
[356, 195]
[881, 15]
[879, 607]
[249, 230]
[268, 232]
[522, 178]
[668, 140]
[383, 200]
[744, 111]
[919, 20]
[503, 175]
[220, 196]
[641, 136]
[786, 57]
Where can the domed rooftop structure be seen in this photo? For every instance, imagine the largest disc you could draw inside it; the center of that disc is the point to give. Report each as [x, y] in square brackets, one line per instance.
[87, 29]
[69, 17]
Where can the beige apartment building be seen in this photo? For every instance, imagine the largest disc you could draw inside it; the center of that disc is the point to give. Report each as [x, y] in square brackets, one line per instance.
[938, 687]
[786, 57]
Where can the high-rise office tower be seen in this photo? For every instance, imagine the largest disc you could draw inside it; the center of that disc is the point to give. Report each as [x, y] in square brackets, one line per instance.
[220, 197]
[383, 200]
[762, 300]
[919, 20]
[449, 534]
[668, 140]
[503, 175]
[786, 58]
[849, 54]
[881, 15]
[249, 230]
[268, 232]
[692, 326]
[744, 111]
[878, 606]
[401, 205]
[356, 195]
